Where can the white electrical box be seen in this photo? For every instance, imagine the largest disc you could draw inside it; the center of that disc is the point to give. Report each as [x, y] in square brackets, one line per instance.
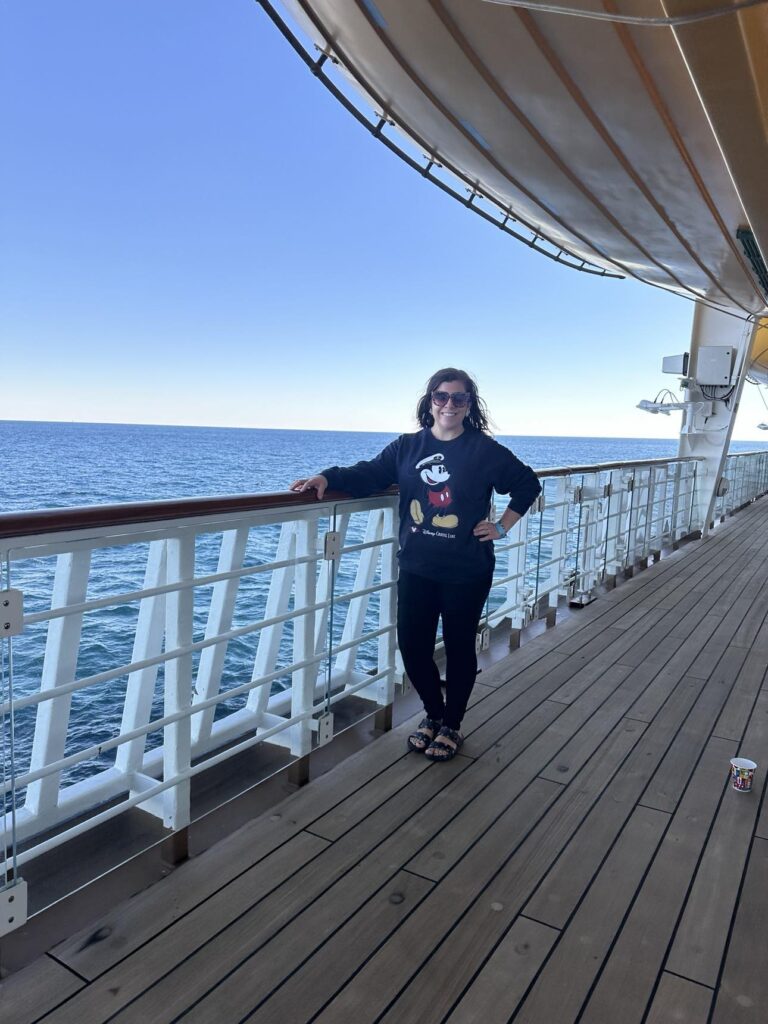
[675, 364]
[713, 365]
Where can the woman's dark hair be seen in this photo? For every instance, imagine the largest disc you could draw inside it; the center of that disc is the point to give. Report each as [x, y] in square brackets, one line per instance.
[477, 417]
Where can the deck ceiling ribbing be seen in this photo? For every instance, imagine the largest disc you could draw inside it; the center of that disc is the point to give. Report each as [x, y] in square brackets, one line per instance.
[583, 858]
[639, 149]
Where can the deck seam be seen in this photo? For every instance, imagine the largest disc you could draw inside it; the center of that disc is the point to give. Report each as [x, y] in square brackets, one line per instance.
[66, 966]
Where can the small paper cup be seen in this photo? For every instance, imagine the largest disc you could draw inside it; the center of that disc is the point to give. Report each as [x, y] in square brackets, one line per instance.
[742, 774]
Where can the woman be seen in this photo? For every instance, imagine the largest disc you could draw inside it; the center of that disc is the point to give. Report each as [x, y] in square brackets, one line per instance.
[446, 473]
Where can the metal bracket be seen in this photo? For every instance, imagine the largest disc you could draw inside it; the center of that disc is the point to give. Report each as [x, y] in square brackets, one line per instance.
[11, 612]
[483, 640]
[13, 907]
[538, 505]
[332, 546]
[325, 728]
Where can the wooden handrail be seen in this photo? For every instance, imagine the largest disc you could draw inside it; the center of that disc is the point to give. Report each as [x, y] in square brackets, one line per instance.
[84, 517]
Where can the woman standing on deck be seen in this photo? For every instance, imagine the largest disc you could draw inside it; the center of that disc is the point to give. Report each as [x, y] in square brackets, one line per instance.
[446, 473]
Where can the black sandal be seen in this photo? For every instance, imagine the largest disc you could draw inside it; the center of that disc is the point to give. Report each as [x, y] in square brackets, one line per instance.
[439, 750]
[424, 734]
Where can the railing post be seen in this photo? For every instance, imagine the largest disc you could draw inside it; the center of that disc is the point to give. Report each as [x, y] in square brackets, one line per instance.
[591, 536]
[652, 530]
[517, 587]
[354, 622]
[278, 599]
[680, 472]
[642, 505]
[221, 609]
[559, 503]
[388, 609]
[303, 679]
[628, 508]
[614, 494]
[177, 744]
[147, 643]
[59, 667]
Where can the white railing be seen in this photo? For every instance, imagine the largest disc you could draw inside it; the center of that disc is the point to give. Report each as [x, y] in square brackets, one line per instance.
[591, 524]
[745, 476]
[160, 640]
[152, 652]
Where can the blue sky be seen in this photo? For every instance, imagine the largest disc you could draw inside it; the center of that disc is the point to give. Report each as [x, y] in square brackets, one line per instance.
[195, 232]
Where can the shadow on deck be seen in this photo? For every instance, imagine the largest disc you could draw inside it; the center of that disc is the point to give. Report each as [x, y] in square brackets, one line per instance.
[583, 859]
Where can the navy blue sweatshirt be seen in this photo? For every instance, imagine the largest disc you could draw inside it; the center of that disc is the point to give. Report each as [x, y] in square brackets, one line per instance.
[445, 491]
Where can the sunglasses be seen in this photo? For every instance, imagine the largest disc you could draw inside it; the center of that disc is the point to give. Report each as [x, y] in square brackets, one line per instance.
[457, 398]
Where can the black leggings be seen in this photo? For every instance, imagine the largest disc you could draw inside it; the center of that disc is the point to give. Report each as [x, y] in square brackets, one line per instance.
[420, 603]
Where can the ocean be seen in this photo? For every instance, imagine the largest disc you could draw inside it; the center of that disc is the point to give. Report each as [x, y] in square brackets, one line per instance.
[47, 465]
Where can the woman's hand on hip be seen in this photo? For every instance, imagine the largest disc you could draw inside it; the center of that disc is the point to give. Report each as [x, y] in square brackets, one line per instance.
[486, 530]
[317, 483]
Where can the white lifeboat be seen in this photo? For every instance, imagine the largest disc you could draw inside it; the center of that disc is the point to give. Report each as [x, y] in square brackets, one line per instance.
[632, 134]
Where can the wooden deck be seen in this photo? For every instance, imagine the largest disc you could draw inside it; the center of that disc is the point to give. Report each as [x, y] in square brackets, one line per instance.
[583, 859]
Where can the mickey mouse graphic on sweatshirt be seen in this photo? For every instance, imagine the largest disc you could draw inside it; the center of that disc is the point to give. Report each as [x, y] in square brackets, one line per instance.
[435, 476]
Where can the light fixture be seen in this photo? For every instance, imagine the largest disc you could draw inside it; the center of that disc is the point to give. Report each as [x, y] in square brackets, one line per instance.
[656, 407]
[665, 403]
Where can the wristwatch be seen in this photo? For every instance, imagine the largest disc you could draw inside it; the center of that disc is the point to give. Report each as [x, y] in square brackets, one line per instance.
[500, 528]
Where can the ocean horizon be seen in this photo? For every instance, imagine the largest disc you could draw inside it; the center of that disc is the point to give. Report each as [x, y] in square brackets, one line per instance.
[50, 464]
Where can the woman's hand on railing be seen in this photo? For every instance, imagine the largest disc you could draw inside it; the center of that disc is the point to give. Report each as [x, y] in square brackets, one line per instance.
[315, 483]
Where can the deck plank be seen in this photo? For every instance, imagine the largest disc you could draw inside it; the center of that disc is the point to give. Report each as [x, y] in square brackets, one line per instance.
[556, 899]
[506, 975]
[573, 754]
[449, 845]
[735, 715]
[743, 994]
[671, 777]
[159, 957]
[486, 899]
[699, 944]
[562, 987]
[679, 1001]
[627, 981]
[307, 989]
[27, 995]
[203, 964]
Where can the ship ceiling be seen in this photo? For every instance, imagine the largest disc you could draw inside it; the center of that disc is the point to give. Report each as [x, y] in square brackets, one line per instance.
[639, 149]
